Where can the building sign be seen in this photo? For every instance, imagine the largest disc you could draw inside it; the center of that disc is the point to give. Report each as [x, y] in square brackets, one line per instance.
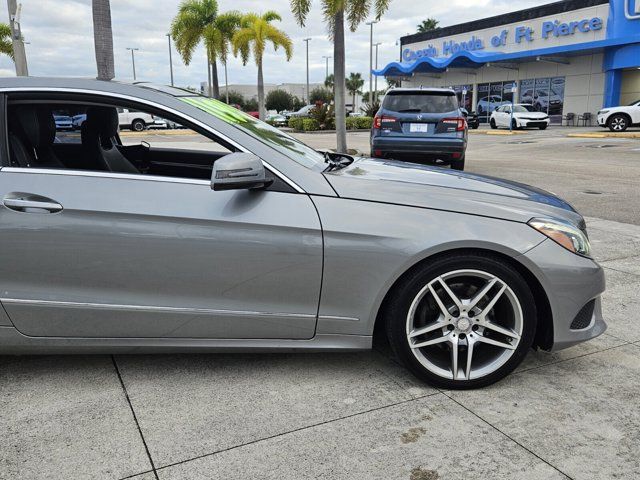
[521, 35]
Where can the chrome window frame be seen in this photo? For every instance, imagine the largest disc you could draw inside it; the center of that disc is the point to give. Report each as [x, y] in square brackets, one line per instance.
[151, 103]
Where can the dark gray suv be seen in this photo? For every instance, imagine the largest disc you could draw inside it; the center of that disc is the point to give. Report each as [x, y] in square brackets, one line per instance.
[423, 125]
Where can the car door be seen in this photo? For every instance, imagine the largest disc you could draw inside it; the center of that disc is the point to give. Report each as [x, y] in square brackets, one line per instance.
[505, 116]
[99, 254]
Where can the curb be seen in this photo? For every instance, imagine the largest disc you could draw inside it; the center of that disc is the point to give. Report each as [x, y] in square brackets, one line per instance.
[498, 132]
[605, 135]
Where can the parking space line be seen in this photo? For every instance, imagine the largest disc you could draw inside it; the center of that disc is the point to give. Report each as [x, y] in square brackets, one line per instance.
[135, 418]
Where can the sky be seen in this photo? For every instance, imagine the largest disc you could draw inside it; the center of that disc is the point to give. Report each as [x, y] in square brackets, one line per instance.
[60, 36]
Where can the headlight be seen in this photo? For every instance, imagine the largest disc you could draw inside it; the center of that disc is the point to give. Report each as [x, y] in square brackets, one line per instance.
[564, 234]
[602, 112]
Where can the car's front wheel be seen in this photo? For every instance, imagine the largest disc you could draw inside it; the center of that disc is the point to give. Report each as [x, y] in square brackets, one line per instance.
[463, 321]
[493, 123]
[618, 123]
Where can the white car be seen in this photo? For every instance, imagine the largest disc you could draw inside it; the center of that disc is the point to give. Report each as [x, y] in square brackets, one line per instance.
[138, 121]
[618, 119]
[524, 116]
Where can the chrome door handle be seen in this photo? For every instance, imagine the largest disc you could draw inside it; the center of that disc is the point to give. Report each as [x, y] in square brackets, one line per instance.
[25, 205]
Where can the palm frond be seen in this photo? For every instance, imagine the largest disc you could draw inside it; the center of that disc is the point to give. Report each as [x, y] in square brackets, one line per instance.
[6, 43]
[356, 12]
[279, 39]
[381, 7]
[300, 10]
[271, 16]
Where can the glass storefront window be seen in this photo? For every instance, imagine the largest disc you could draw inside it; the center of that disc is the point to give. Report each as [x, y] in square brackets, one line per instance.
[545, 94]
[464, 99]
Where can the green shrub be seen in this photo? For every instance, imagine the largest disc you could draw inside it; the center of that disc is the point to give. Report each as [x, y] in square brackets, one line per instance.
[310, 125]
[296, 123]
[359, 123]
[352, 123]
[364, 123]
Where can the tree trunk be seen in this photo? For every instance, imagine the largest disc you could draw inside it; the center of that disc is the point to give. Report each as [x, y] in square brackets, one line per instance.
[103, 39]
[215, 86]
[261, 109]
[208, 78]
[226, 83]
[339, 86]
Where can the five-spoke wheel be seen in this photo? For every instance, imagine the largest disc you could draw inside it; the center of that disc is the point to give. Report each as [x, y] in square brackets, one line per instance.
[466, 321]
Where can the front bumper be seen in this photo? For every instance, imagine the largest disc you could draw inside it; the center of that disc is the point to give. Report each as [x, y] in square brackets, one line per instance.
[570, 282]
[533, 123]
[602, 120]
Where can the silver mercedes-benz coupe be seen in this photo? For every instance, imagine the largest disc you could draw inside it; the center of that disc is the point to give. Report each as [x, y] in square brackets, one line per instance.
[232, 235]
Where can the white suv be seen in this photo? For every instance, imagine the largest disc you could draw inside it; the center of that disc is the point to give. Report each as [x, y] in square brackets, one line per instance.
[618, 119]
[138, 121]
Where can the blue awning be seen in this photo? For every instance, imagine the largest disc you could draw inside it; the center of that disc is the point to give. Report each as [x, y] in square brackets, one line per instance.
[477, 59]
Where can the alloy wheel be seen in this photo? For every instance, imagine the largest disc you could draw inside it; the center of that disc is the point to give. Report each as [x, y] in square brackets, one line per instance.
[464, 325]
[618, 124]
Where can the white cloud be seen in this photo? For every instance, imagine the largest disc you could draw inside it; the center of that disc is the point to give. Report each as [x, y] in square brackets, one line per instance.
[60, 33]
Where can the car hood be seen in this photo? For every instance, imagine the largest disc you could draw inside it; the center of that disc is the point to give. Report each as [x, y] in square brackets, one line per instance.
[390, 181]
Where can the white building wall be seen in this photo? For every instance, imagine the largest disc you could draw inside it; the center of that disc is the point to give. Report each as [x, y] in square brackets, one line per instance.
[630, 87]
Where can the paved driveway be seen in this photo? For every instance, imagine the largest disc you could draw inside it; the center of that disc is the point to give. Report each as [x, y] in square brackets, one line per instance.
[573, 414]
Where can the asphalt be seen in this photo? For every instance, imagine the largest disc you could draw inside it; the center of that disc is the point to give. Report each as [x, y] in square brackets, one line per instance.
[571, 414]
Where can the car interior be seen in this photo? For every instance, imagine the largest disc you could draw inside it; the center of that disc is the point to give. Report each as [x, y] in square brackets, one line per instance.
[35, 143]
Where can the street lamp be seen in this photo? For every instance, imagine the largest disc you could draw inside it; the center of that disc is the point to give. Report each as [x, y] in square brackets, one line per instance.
[306, 40]
[371, 59]
[170, 61]
[133, 61]
[375, 88]
[326, 58]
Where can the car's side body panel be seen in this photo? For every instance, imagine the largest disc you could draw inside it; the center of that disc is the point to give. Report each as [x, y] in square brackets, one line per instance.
[139, 256]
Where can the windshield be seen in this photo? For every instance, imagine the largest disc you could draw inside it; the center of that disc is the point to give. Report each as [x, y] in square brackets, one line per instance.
[271, 136]
[420, 102]
[523, 108]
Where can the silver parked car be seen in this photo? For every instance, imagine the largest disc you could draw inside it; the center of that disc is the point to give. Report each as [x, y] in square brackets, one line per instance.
[251, 240]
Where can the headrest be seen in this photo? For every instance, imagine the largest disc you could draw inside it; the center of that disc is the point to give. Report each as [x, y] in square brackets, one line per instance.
[103, 120]
[35, 124]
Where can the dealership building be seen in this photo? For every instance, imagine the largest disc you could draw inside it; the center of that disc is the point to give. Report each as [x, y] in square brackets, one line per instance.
[573, 56]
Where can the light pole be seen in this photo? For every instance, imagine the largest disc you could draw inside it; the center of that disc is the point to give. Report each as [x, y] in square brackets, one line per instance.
[170, 60]
[133, 61]
[371, 60]
[326, 58]
[19, 55]
[375, 86]
[306, 40]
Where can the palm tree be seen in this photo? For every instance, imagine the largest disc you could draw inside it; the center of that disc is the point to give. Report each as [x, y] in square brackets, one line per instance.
[330, 81]
[198, 21]
[103, 39]
[6, 44]
[354, 85]
[427, 25]
[356, 11]
[254, 33]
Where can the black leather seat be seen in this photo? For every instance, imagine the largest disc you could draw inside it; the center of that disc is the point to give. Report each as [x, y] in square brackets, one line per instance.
[98, 133]
[32, 131]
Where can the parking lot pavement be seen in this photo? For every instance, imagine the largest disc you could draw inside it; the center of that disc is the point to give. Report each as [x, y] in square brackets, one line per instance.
[570, 414]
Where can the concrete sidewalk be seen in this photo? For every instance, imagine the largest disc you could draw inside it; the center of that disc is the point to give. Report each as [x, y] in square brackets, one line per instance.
[573, 414]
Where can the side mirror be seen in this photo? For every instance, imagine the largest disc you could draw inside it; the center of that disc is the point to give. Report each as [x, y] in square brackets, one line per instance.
[238, 171]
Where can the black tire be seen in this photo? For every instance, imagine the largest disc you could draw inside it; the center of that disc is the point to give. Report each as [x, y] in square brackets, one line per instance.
[138, 125]
[514, 125]
[475, 127]
[397, 310]
[543, 127]
[618, 123]
[493, 124]
[458, 164]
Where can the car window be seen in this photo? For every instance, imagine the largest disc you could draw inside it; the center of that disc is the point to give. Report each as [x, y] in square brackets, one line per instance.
[420, 102]
[271, 136]
[104, 137]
